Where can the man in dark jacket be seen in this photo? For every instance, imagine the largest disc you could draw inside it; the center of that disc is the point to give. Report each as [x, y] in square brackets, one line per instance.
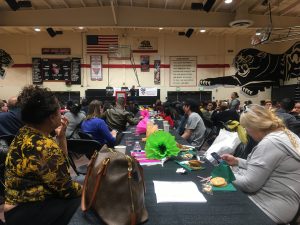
[286, 106]
[117, 117]
[11, 122]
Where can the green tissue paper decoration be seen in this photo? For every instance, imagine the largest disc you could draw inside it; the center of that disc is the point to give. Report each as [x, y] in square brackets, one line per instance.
[161, 144]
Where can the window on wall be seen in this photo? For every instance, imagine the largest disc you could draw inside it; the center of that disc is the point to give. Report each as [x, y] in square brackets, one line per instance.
[201, 96]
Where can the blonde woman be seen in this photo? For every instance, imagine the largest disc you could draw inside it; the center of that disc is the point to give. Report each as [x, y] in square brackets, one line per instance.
[271, 173]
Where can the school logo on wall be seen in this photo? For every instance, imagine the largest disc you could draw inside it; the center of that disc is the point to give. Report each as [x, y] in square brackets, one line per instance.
[257, 70]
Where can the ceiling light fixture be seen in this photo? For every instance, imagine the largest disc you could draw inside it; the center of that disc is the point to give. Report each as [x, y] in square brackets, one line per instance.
[80, 28]
[228, 1]
[161, 28]
[258, 33]
[202, 30]
[37, 29]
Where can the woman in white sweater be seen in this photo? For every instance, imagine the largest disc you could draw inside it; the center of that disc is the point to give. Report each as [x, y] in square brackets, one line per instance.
[271, 173]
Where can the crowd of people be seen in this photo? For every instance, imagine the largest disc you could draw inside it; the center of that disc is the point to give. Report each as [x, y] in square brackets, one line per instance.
[38, 185]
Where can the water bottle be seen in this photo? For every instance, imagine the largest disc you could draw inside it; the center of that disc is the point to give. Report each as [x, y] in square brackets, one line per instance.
[137, 147]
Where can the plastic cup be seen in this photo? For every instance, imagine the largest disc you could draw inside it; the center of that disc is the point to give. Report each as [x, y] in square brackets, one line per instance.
[120, 148]
[128, 141]
[166, 127]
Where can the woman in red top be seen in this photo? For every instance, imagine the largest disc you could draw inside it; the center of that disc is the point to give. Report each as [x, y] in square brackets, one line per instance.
[168, 117]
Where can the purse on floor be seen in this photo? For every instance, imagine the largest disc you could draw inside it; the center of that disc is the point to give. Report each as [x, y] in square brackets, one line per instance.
[114, 188]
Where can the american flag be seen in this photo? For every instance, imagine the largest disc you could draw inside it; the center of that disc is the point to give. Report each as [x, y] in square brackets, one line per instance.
[98, 44]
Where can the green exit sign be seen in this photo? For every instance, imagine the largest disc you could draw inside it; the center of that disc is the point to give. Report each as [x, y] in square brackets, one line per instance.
[177, 88]
[201, 88]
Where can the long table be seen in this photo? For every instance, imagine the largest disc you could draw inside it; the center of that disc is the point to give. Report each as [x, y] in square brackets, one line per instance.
[222, 208]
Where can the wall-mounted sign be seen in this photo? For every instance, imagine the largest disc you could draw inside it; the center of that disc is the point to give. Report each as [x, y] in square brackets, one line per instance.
[144, 91]
[145, 64]
[68, 69]
[37, 77]
[156, 71]
[96, 67]
[144, 45]
[183, 71]
[56, 51]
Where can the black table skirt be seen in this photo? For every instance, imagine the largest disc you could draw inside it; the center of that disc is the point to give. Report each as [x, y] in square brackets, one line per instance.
[222, 208]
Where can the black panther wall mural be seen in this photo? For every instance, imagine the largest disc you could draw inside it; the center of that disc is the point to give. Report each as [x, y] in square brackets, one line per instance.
[5, 61]
[257, 70]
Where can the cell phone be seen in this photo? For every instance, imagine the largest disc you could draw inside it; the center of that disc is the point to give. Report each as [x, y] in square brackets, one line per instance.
[216, 156]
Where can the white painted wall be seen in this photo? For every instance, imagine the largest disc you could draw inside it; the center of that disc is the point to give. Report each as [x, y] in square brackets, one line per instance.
[209, 49]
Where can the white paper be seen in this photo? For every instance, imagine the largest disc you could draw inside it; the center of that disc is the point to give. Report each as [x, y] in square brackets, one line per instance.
[177, 192]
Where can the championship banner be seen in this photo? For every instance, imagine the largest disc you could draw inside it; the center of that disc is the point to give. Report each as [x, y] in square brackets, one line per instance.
[145, 64]
[144, 45]
[156, 71]
[143, 91]
[96, 67]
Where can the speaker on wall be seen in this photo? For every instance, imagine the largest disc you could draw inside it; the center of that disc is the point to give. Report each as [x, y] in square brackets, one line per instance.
[189, 32]
[52, 32]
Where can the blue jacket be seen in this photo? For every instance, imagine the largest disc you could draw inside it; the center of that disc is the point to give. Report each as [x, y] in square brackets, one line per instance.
[99, 130]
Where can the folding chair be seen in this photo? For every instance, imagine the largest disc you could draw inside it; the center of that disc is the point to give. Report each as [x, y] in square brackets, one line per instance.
[208, 134]
[84, 135]
[82, 146]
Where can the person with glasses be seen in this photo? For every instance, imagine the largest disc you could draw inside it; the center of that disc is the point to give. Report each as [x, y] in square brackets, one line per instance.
[271, 173]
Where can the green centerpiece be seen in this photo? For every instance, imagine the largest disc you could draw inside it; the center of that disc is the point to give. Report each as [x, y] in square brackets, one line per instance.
[161, 144]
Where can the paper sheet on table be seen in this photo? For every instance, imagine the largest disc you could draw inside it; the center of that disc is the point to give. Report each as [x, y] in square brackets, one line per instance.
[177, 192]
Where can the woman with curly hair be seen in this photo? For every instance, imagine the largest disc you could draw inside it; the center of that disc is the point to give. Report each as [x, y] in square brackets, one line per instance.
[271, 173]
[38, 185]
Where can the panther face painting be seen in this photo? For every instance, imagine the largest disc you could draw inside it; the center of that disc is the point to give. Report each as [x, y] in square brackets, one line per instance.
[256, 70]
[5, 61]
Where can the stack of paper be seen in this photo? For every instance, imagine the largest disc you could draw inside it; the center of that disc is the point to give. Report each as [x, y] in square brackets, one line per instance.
[177, 192]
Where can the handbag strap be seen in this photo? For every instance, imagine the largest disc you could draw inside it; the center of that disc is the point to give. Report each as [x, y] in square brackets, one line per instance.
[101, 172]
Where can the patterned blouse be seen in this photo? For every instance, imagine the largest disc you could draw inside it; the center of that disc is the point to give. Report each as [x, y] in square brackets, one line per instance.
[36, 169]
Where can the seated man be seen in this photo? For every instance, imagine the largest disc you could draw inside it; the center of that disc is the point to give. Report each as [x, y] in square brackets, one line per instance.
[117, 117]
[195, 129]
[10, 122]
[222, 115]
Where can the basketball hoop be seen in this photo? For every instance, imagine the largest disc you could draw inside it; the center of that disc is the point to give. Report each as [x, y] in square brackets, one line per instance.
[119, 52]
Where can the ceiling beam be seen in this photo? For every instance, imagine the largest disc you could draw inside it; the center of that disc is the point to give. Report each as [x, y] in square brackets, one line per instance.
[148, 3]
[166, 3]
[47, 4]
[66, 4]
[152, 17]
[131, 3]
[100, 2]
[113, 12]
[238, 4]
[83, 3]
[252, 7]
[183, 5]
[289, 8]
[217, 6]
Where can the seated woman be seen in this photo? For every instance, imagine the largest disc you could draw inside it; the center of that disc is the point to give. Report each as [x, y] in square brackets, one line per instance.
[168, 117]
[38, 185]
[97, 127]
[75, 117]
[271, 173]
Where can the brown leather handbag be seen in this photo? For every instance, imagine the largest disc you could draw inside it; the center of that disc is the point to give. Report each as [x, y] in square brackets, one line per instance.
[114, 188]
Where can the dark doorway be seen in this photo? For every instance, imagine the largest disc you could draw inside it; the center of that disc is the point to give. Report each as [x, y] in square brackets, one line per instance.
[201, 96]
